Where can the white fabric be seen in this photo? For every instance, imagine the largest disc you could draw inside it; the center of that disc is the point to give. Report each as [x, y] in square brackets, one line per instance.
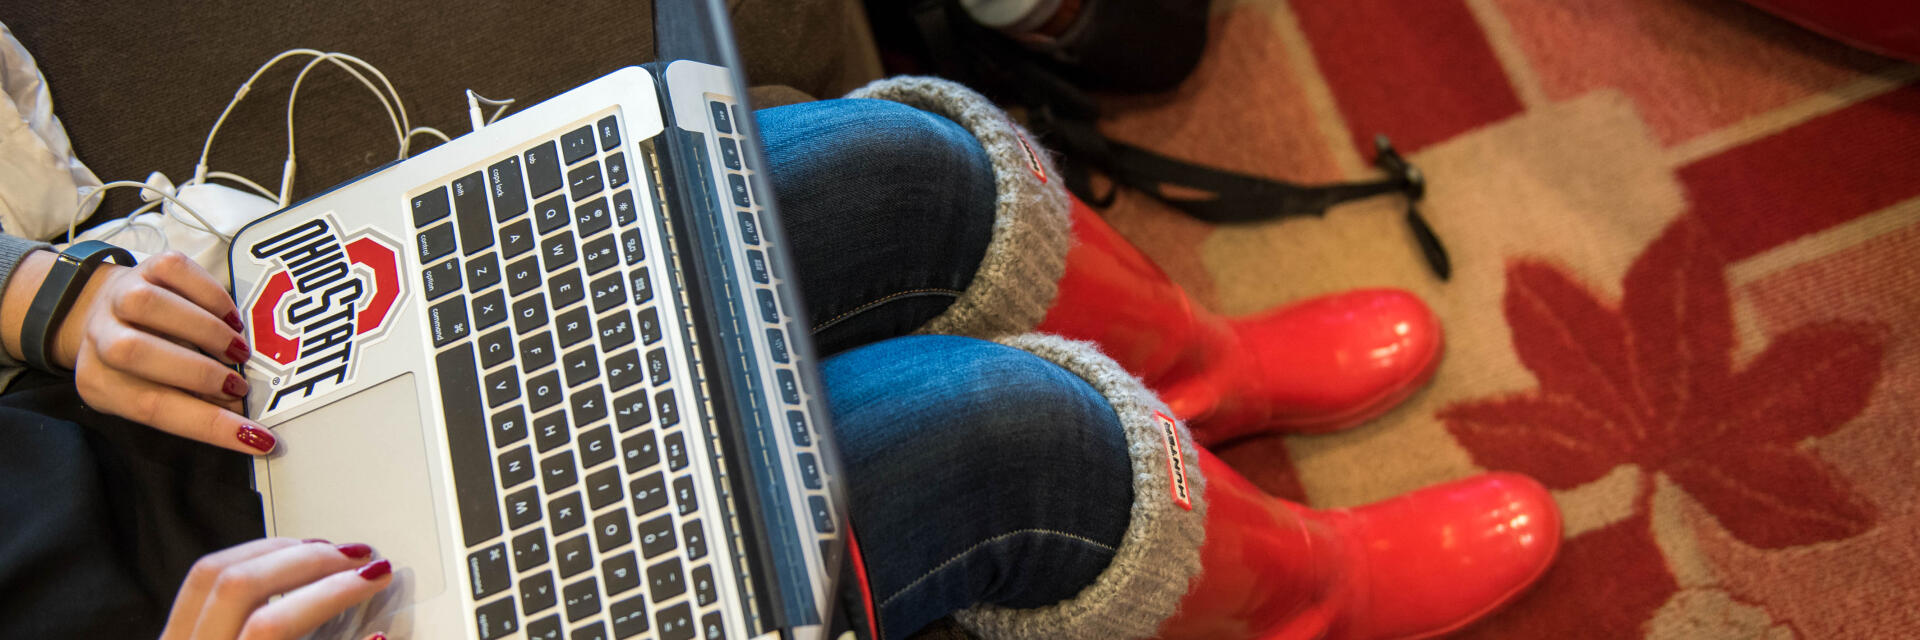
[41, 182]
[169, 229]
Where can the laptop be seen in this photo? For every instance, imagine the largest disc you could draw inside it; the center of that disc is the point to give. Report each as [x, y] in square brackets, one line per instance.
[557, 370]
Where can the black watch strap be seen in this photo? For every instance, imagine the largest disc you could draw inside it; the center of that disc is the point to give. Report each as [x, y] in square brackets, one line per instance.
[56, 296]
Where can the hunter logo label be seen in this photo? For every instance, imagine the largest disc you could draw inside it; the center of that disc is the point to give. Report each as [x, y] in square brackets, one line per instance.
[326, 296]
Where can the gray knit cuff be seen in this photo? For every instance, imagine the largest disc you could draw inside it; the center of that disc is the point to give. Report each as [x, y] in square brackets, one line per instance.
[1142, 586]
[12, 251]
[1020, 273]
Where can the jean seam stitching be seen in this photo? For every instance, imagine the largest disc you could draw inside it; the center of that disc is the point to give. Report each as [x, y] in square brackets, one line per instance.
[871, 305]
[977, 546]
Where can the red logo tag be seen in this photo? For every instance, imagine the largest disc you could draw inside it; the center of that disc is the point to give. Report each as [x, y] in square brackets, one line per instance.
[1033, 159]
[1176, 462]
[326, 296]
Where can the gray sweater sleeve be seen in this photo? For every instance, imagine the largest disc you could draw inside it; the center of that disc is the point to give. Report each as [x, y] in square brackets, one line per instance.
[12, 250]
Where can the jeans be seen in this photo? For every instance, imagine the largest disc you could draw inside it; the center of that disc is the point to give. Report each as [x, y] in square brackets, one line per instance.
[976, 473]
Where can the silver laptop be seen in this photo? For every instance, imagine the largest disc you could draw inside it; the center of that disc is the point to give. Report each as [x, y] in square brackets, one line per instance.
[557, 371]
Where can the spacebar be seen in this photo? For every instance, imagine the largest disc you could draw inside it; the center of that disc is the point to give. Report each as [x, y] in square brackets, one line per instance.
[467, 445]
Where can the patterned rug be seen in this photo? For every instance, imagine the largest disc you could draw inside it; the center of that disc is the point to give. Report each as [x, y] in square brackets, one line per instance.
[1686, 239]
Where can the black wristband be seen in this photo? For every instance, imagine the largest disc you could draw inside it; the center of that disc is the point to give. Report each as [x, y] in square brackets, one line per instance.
[56, 296]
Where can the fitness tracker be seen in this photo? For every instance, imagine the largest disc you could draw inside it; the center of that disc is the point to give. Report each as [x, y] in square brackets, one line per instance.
[56, 296]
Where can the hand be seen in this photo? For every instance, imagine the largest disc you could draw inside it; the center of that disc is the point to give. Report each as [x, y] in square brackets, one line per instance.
[225, 594]
[137, 340]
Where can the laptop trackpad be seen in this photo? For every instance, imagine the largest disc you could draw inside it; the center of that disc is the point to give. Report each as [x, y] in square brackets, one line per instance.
[356, 471]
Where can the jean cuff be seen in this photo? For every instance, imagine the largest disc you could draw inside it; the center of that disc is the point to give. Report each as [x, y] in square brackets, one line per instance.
[1160, 552]
[1026, 255]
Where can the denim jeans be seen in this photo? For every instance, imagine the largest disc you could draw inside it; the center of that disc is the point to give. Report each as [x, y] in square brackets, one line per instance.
[976, 473]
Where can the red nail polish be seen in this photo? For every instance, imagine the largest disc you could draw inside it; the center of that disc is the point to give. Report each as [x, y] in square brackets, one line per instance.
[376, 570]
[354, 550]
[377, 636]
[235, 386]
[255, 437]
[237, 352]
[233, 320]
[319, 540]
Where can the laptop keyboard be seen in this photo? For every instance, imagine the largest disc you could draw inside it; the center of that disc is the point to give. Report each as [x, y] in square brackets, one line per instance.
[570, 460]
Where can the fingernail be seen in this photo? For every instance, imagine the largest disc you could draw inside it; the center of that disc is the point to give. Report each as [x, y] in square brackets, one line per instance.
[237, 352]
[354, 550]
[235, 386]
[377, 636]
[255, 437]
[233, 320]
[376, 570]
[319, 540]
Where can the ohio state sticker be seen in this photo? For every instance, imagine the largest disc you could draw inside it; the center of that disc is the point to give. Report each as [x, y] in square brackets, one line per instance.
[327, 295]
[1176, 462]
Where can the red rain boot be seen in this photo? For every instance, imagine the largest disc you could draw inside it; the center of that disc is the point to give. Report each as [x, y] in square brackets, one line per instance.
[1308, 367]
[1418, 565]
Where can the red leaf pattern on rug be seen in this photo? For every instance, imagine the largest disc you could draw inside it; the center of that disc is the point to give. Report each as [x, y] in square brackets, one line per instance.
[1652, 383]
[1614, 576]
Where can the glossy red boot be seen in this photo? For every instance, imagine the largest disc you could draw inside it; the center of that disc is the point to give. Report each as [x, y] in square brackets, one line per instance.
[1415, 566]
[1308, 367]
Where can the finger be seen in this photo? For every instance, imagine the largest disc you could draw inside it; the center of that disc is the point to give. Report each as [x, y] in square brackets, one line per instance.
[200, 579]
[157, 359]
[306, 608]
[167, 314]
[244, 586]
[169, 409]
[176, 271]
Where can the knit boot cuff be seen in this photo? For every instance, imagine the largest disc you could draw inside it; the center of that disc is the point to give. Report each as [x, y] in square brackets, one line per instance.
[1020, 273]
[1160, 553]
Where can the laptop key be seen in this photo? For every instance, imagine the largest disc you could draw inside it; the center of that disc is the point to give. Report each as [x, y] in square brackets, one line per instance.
[737, 186]
[610, 530]
[711, 628]
[676, 448]
[769, 311]
[503, 386]
[616, 329]
[757, 265]
[631, 246]
[550, 431]
[609, 292]
[483, 272]
[566, 288]
[523, 507]
[630, 411]
[543, 169]
[789, 388]
[664, 582]
[558, 251]
[649, 324]
[593, 631]
[470, 213]
[642, 286]
[797, 423]
[496, 619]
[629, 617]
[487, 571]
[616, 171]
[584, 181]
[809, 471]
[624, 213]
[430, 206]
[676, 622]
[529, 550]
[600, 253]
[504, 185]
[683, 496]
[749, 230]
[565, 514]
[656, 536]
[547, 628]
[730, 154]
[467, 449]
[523, 275]
[609, 128]
[589, 404]
[509, 426]
[705, 592]
[530, 313]
[577, 144]
[596, 447]
[777, 344]
[640, 451]
[572, 327]
[488, 310]
[696, 539]
[722, 120]
[581, 365]
[557, 473]
[551, 214]
[536, 351]
[822, 518]
[571, 556]
[603, 487]
[649, 493]
[623, 371]
[435, 243]
[657, 368]
[441, 279]
[516, 238]
[543, 391]
[537, 593]
[448, 321]
[582, 598]
[668, 407]
[592, 217]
